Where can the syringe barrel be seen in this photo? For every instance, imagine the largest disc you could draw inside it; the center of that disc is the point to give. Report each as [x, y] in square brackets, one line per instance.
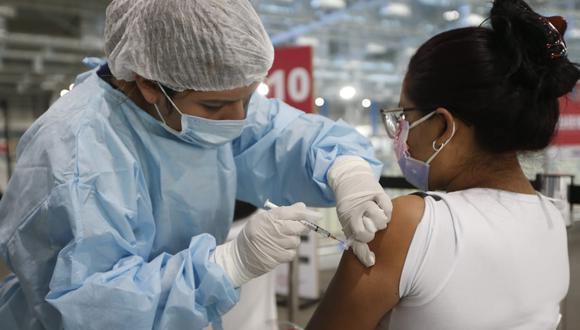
[309, 225]
[316, 228]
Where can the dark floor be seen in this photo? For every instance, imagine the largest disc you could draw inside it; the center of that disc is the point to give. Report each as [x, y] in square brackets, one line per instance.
[573, 301]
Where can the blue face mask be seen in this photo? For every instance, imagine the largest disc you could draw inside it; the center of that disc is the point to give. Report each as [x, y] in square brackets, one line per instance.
[414, 170]
[202, 132]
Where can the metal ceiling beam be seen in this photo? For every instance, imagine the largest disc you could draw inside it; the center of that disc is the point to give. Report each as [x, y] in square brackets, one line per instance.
[325, 21]
[24, 39]
[86, 7]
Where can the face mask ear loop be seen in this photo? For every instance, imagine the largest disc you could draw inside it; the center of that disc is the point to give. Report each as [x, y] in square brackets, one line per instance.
[168, 98]
[422, 120]
[159, 114]
[438, 150]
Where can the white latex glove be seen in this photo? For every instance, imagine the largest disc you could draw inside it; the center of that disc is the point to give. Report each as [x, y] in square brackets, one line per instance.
[363, 206]
[267, 240]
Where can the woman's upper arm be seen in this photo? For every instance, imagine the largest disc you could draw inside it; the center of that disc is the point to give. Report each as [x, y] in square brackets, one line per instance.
[358, 297]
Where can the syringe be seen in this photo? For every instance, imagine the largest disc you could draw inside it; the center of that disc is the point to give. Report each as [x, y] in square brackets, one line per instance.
[314, 227]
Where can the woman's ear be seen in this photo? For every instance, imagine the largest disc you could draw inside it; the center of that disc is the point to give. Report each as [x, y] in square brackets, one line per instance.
[149, 90]
[450, 127]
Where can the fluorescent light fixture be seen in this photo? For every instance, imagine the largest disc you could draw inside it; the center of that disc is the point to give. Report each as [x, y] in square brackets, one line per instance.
[396, 9]
[307, 41]
[328, 4]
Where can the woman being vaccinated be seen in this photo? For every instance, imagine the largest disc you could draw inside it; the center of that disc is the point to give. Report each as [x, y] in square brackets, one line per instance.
[478, 248]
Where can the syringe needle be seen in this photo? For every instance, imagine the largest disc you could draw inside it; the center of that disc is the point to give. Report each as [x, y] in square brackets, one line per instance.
[323, 232]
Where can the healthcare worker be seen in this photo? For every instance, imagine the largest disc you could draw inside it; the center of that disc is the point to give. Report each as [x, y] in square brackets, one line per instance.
[124, 190]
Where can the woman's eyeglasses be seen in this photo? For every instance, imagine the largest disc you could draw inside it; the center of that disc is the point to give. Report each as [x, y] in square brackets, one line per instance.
[393, 116]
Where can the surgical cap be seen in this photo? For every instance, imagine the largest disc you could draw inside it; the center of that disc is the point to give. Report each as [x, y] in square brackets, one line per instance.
[202, 45]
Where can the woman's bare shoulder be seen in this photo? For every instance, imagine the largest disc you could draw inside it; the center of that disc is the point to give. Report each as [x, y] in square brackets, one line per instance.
[358, 297]
[391, 245]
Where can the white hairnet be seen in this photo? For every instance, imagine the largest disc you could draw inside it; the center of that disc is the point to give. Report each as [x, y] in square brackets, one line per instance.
[203, 45]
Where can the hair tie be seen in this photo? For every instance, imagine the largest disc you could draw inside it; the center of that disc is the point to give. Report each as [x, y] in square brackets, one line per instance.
[555, 28]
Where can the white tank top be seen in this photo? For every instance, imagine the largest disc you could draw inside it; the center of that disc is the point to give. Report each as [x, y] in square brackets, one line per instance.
[484, 259]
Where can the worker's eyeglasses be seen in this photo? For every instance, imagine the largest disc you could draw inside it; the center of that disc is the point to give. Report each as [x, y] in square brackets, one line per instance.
[391, 118]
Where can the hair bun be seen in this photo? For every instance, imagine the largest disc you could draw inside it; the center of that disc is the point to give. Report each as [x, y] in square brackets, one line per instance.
[536, 48]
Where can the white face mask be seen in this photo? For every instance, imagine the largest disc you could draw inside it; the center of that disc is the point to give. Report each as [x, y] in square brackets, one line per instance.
[202, 132]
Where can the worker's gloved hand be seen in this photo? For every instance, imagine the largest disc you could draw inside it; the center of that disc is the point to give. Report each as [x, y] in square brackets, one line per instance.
[267, 240]
[363, 206]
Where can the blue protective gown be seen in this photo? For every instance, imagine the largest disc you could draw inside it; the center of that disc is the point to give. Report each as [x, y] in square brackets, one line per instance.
[109, 221]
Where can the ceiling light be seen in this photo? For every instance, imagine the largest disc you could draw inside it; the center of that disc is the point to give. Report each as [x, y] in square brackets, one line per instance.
[474, 20]
[451, 15]
[263, 89]
[319, 102]
[396, 9]
[366, 103]
[328, 4]
[347, 92]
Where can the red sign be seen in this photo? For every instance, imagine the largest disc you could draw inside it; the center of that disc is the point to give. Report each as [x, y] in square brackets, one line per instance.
[290, 78]
[569, 125]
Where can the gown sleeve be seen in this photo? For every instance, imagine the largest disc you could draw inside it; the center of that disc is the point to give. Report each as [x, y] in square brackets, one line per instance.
[284, 154]
[105, 278]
